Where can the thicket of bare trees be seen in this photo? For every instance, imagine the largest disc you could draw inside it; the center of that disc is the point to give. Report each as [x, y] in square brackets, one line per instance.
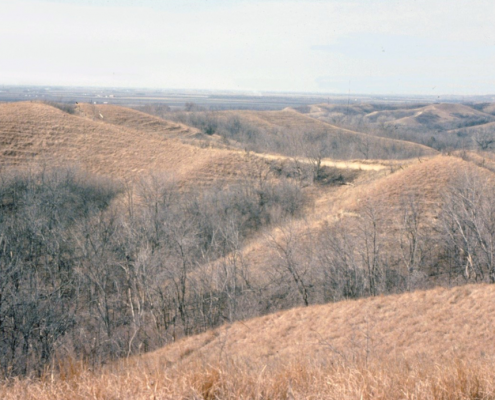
[323, 143]
[94, 270]
[79, 276]
[469, 226]
[433, 132]
[39, 280]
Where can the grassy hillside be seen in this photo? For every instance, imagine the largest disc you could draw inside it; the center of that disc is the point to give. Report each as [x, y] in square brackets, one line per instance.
[352, 144]
[129, 118]
[130, 145]
[445, 115]
[441, 115]
[442, 126]
[436, 344]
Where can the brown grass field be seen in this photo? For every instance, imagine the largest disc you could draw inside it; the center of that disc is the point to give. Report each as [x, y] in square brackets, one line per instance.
[426, 181]
[38, 134]
[474, 129]
[489, 108]
[130, 118]
[435, 344]
[416, 117]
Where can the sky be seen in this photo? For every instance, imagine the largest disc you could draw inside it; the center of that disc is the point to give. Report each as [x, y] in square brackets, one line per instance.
[427, 47]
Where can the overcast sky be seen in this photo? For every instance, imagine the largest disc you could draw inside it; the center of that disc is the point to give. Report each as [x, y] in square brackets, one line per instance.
[333, 46]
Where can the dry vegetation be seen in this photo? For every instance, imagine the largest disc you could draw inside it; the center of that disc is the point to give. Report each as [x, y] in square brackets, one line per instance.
[129, 118]
[439, 126]
[295, 134]
[424, 345]
[43, 135]
[123, 232]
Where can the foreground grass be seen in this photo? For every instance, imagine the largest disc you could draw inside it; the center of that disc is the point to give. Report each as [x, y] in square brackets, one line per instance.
[415, 378]
[435, 344]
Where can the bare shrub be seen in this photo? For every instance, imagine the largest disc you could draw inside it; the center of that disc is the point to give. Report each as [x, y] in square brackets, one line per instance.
[68, 108]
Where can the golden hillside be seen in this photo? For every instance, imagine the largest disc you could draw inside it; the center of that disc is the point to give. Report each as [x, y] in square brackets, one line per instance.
[41, 134]
[489, 108]
[426, 180]
[435, 344]
[380, 118]
[441, 114]
[188, 263]
[424, 184]
[129, 118]
[435, 322]
[473, 130]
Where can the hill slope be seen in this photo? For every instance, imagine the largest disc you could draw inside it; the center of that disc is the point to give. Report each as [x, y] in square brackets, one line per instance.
[446, 116]
[424, 345]
[433, 322]
[343, 143]
[41, 134]
[129, 118]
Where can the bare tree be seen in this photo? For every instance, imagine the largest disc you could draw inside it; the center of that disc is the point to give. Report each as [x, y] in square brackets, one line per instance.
[287, 244]
[371, 249]
[469, 226]
[484, 138]
[412, 240]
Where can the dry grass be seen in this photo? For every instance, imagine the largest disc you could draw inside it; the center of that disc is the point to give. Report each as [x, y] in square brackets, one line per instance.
[438, 114]
[130, 118]
[444, 112]
[436, 344]
[41, 134]
[489, 108]
[438, 322]
[483, 159]
[403, 379]
[366, 165]
[427, 181]
[472, 130]
[123, 144]
[289, 119]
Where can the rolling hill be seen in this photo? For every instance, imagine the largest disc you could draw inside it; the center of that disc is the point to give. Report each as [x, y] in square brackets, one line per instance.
[421, 187]
[445, 116]
[442, 126]
[125, 145]
[129, 118]
[343, 143]
[422, 345]
[422, 322]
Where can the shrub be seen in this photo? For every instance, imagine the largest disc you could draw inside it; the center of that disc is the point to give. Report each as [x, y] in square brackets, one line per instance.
[68, 108]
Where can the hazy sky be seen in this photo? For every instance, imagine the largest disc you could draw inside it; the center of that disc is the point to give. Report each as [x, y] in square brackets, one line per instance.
[375, 46]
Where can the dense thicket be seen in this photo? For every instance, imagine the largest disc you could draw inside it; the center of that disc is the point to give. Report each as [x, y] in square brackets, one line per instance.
[80, 276]
[94, 270]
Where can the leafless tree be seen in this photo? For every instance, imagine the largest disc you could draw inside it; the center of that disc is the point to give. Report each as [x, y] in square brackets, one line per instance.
[484, 138]
[469, 226]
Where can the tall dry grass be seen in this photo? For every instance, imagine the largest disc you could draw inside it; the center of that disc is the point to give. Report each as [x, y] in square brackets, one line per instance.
[414, 378]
